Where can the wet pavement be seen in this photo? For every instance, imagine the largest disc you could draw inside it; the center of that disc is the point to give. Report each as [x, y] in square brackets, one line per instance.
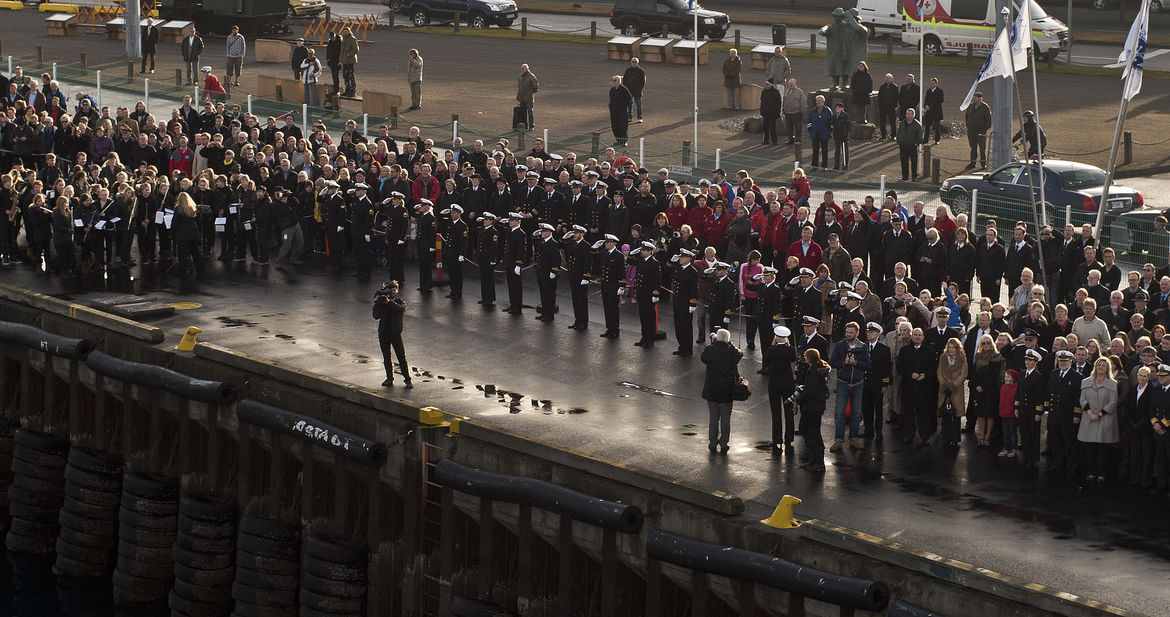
[643, 408]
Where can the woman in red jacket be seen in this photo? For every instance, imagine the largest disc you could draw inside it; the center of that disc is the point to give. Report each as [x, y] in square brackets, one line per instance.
[212, 89]
[676, 211]
[945, 223]
[698, 216]
[716, 225]
[799, 190]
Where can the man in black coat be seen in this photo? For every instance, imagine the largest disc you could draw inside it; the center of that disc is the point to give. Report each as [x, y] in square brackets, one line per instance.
[647, 278]
[547, 256]
[809, 338]
[930, 265]
[298, 55]
[1030, 397]
[768, 299]
[427, 226]
[455, 249]
[611, 271]
[388, 310]
[990, 260]
[149, 39]
[1020, 255]
[487, 243]
[722, 360]
[515, 255]
[917, 367]
[897, 246]
[908, 95]
[888, 107]
[1064, 412]
[770, 111]
[857, 239]
[877, 381]
[684, 298]
[806, 298]
[191, 48]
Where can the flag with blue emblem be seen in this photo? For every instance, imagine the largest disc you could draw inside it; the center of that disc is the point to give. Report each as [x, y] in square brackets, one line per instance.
[1011, 47]
[1134, 54]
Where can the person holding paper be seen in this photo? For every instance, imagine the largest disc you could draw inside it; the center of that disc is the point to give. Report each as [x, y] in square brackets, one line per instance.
[122, 212]
[63, 239]
[143, 222]
[186, 229]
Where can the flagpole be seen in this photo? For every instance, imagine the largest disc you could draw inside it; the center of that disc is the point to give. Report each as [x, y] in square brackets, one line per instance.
[1135, 49]
[1104, 205]
[695, 138]
[1027, 163]
[1036, 118]
[921, 88]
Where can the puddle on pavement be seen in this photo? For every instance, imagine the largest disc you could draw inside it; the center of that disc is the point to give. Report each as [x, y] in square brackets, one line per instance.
[235, 322]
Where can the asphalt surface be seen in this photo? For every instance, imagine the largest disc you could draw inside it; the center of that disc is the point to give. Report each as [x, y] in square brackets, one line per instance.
[643, 408]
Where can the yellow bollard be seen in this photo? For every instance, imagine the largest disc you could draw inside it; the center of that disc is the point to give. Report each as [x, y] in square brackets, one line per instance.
[430, 415]
[188, 341]
[782, 517]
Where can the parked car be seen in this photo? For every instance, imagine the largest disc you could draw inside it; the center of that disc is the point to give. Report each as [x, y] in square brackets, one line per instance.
[476, 13]
[1140, 236]
[306, 8]
[1067, 184]
[635, 17]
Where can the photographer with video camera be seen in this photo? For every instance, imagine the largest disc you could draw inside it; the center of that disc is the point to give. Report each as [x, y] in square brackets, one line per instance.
[388, 310]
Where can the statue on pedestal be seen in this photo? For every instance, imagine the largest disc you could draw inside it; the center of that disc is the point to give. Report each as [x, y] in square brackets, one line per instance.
[847, 45]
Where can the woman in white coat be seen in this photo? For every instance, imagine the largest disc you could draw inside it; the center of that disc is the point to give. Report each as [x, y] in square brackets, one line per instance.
[1098, 418]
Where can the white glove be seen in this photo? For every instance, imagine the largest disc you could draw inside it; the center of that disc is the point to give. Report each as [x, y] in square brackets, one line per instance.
[726, 320]
[432, 249]
[517, 270]
[584, 281]
[654, 299]
[460, 259]
[621, 291]
[401, 242]
[552, 276]
[691, 309]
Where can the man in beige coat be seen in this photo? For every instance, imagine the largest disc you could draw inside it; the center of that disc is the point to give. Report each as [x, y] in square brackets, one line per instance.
[526, 87]
[414, 76]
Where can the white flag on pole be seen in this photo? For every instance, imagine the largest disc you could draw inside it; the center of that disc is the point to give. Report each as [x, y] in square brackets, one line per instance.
[1009, 47]
[1134, 54]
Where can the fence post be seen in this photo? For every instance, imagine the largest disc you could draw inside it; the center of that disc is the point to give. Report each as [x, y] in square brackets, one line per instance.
[737, 37]
[305, 118]
[641, 150]
[812, 43]
[925, 160]
[545, 136]
[54, 71]
[130, 69]
[393, 116]
[974, 209]
[935, 169]
[889, 47]
[279, 93]
[249, 104]
[10, 64]
[592, 30]
[796, 152]
[455, 22]
[523, 26]
[84, 60]
[179, 78]
[595, 145]
[970, 52]
[454, 129]
[40, 53]
[882, 187]
[718, 157]
[1067, 214]
[146, 93]
[98, 74]
[1128, 151]
[520, 137]
[686, 157]
[391, 16]
[665, 31]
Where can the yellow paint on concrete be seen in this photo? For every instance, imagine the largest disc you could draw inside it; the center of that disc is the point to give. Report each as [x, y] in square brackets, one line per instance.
[184, 306]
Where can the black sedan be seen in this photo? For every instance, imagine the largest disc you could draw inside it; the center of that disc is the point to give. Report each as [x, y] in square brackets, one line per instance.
[1004, 193]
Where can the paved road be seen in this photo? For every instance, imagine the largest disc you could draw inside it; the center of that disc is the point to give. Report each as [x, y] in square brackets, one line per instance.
[643, 408]
[752, 35]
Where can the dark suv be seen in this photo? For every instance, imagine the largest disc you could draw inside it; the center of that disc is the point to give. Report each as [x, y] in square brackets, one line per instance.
[476, 13]
[634, 17]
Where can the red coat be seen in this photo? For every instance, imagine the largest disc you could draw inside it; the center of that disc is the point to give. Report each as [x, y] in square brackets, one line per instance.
[758, 217]
[677, 217]
[946, 228]
[716, 227]
[799, 188]
[773, 225]
[430, 191]
[819, 218]
[697, 218]
[212, 86]
[811, 260]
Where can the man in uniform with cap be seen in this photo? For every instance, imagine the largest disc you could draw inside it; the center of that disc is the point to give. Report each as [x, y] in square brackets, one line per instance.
[847, 309]
[647, 278]
[1064, 412]
[611, 268]
[725, 297]
[877, 381]
[547, 265]
[515, 255]
[426, 225]
[362, 210]
[551, 208]
[808, 299]
[336, 220]
[781, 357]
[809, 338]
[768, 298]
[1031, 342]
[487, 244]
[684, 298]
[455, 249]
[577, 207]
[937, 336]
[578, 258]
[399, 224]
[1159, 419]
[1030, 397]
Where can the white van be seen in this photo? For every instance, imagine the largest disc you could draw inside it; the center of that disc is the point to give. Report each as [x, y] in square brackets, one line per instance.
[880, 16]
[949, 25]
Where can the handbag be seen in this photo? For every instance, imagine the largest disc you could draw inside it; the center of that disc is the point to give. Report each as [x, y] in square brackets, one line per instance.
[947, 409]
[741, 390]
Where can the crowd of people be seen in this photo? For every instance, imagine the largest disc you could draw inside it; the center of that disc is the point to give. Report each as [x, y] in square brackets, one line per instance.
[901, 308]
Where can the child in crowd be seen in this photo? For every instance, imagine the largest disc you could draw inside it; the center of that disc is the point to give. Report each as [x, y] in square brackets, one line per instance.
[1007, 413]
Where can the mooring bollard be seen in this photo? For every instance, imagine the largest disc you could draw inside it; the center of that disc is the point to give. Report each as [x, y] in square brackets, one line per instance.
[178, 77]
[889, 47]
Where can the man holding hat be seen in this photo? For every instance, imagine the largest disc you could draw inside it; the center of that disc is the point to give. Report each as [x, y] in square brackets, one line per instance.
[612, 272]
[547, 266]
[780, 357]
[455, 249]
[1030, 397]
[335, 215]
[487, 251]
[515, 255]
[426, 224]
[647, 278]
[877, 380]
[399, 224]
[1064, 412]
[684, 298]
[846, 310]
[578, 260]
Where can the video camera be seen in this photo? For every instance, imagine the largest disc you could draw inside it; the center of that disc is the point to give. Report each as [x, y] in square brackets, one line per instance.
[387, 291]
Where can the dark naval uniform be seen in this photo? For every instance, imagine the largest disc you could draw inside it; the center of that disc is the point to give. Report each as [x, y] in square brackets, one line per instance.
[579, 256]
[548, 265]
[455, 250]
[1030, 397]
[396, 242]
[426, 249]
[487, 252]
[724, 303]
[612, 272]
[684, 298]
[363, 213]
[646, 281]
[877, 377]
[515, 254]
[1063, 406]
[336, 216]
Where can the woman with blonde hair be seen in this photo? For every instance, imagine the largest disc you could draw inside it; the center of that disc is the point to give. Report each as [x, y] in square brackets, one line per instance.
[952, 376]
[1098, 418]
[185, 228]
[985, 372]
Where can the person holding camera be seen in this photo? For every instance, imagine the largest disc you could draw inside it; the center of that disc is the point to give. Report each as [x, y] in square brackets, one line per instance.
[388, 310]
[811, 396]
[722, 360]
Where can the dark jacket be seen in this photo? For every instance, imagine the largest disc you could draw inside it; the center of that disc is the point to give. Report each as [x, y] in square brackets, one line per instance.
[191, 50]
[860, 87]
[389, 316]
[850, 373]
[722, 360]
[770, 103]
[634, 80]
[815, 392]
[619, 99]
[887, 96]
[780, 358]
